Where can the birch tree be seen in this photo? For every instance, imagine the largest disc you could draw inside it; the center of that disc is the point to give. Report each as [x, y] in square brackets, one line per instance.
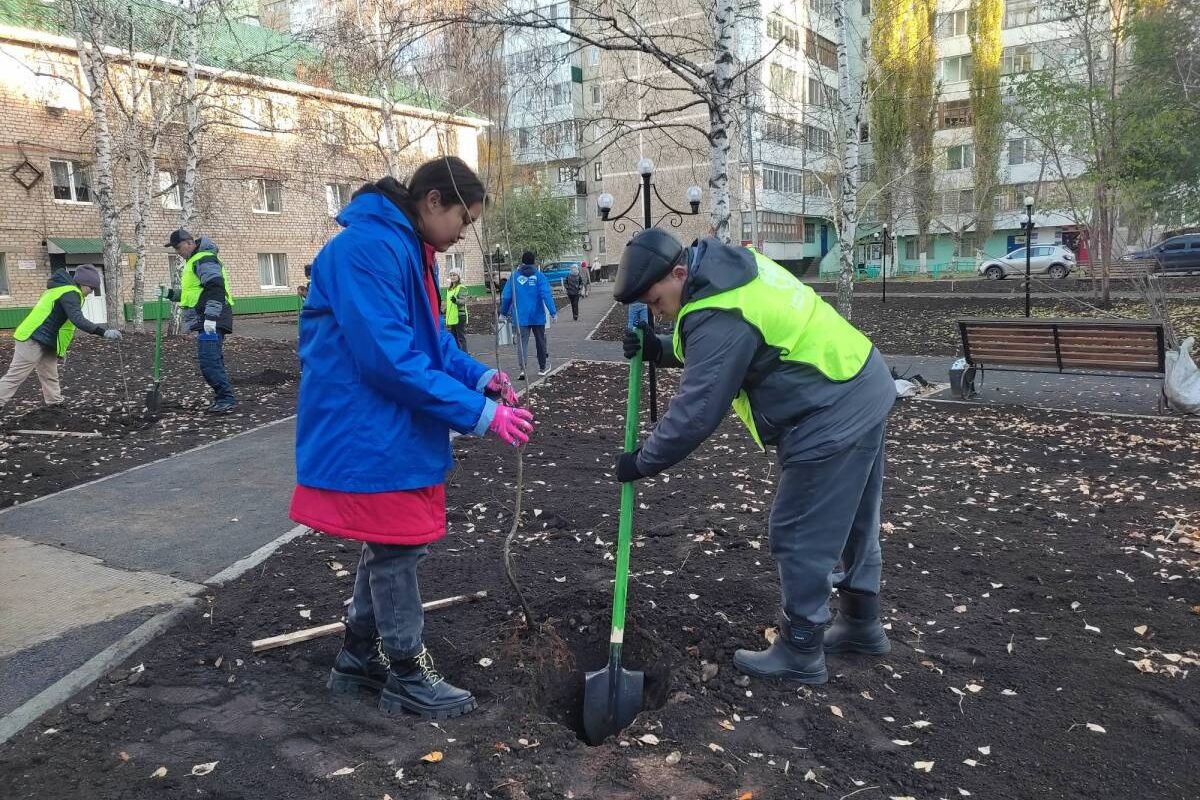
[987, 49]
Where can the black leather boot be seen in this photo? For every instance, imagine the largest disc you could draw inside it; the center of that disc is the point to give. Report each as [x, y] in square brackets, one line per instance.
[414, 685]
[857, 628]
[796, 654]
[360, 666]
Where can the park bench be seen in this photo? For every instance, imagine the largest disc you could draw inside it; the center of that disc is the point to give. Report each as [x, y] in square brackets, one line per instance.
[1120, 270]
[1114, 348]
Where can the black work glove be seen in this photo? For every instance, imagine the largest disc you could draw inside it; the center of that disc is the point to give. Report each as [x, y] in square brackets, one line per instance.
[627, 468]
[174, 294]
[651, 346]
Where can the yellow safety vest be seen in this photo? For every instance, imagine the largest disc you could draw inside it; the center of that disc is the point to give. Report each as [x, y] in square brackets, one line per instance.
[792, 318]
[190, 286]
[452, 312]
[38, 314]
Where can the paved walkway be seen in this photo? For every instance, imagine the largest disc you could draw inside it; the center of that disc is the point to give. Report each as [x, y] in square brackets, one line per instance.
[113, 553]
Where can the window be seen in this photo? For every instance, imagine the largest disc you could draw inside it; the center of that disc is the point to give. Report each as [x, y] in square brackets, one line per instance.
[333, 128]
[960, 156]
[956, 68]
[257, 113]
[864, 132]
[964, 246]
[866, 8]
[268, 198]
[70, 181]
[272, 270]
[782, 132]
[955, 114]
[818, 138]
[336, 197]
[595, 94]
[820, 49]
[170, 187]
[782, 82]
[1017, 59]
[560, 93]
[810, 233]
[1023, 151]
[602, 247]
[786, 33]
[966, 200]
[594, 56]
[782, 179]
[598, 174]
[3, 276]
[910, 250]
[773, 227]
[1019, 14]
[566, 174]
[522, 138]
[954, 23]
[813, 185]
[454, 261]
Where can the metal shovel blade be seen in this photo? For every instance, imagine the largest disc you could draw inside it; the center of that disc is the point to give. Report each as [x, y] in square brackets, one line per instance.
[612, 697]
[153, 399]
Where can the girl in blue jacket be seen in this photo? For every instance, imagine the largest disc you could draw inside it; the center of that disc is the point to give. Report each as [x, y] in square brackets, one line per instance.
[382, 385]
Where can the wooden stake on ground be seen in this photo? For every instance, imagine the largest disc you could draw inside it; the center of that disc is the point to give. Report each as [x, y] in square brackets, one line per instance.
[87, 434]
[308, 634]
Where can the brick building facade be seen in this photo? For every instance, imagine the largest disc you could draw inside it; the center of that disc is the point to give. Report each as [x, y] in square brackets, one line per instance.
[279, 158]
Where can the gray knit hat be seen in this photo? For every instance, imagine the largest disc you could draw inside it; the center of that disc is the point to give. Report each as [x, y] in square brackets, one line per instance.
[88, 275]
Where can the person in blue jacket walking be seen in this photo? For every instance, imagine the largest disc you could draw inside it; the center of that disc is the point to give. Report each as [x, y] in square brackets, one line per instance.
[382, 385]
[534, 299]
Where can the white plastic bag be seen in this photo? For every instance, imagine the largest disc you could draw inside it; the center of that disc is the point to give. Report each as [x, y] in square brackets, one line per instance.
[1182, 381]
[906, 388]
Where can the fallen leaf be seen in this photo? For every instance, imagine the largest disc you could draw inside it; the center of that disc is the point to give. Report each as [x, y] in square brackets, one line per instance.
[746, 796]
[1075, 605]
[974, 688]
[306, 614]
[1008, 693]
[563, 579]
[204, 769]
[433, 757]
[986, 750]
[335, 566]
[924, 766]
[123, 755]
[837, 712]
[1094, 728]
[649, 738]
[485, 662]
[970, 762]
[770, 634]
[716, 748]
[963, 792]
[1140, 630]
[922, 723]
[692, 596]
[673, 757]
[727, 725]
[901, 742]
[810, 776]
[960, 609]
[161, 772]
[49, 731]
[1091, 628]
[343, 771]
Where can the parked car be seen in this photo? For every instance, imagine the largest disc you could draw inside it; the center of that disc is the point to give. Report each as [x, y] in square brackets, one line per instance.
[555, 271]
[1054, 260]
[1179, 255]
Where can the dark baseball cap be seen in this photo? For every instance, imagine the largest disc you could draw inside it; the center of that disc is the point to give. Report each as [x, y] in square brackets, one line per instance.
[178, 236]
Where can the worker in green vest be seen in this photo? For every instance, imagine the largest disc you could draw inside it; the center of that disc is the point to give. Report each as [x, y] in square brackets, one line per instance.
[203, 293]
[456, 310]
[44, 335]
[804, 381]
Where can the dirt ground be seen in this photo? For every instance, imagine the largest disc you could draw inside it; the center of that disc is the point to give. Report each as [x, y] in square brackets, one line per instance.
[925, 326]
[1015, 285]
[480, 314]
[104, 387]
[1041, 592]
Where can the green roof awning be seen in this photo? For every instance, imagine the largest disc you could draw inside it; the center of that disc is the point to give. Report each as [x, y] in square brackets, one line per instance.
[78, 245]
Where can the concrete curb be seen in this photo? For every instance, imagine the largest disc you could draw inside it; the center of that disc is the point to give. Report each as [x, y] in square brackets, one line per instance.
[596, 327]
[205, 446]
[103, 662]
[1118, 414]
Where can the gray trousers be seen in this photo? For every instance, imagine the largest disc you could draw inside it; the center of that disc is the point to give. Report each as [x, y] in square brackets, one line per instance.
[387, 598]
[824, 527]
[29, 357]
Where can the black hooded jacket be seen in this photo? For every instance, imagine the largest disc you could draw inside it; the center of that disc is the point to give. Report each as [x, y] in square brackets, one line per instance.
[65, 308]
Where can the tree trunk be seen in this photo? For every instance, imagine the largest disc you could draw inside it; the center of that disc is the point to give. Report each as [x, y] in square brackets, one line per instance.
[849, 97]
[95, 70]
[720, 115]
[188, 215]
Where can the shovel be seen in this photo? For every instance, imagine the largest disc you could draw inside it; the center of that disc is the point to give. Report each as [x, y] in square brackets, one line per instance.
[153, 397]
[612, 696]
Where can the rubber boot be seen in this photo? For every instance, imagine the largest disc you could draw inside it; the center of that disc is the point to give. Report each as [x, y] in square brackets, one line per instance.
[857, 628]
[360, 666]
[414, 685]
[797, 654]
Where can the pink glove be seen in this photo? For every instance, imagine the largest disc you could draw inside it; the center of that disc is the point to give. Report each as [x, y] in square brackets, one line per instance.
[512, 425]
[502, 386]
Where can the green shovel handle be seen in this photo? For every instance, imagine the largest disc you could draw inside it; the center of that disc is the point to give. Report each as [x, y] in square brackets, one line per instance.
[625, 528]
[158, 333]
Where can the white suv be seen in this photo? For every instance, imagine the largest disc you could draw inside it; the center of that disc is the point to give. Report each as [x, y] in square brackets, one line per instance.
[1054, 260]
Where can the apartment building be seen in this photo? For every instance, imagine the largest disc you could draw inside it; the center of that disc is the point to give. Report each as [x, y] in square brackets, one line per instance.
[281, 157]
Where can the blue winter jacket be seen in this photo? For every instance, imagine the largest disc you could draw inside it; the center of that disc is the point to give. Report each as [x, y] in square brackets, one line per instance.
[383, 381]
[533, 297]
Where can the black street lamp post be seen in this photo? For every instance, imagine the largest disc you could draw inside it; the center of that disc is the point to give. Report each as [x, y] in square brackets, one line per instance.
[1027, 224]
[885, 260]
[674, 218]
